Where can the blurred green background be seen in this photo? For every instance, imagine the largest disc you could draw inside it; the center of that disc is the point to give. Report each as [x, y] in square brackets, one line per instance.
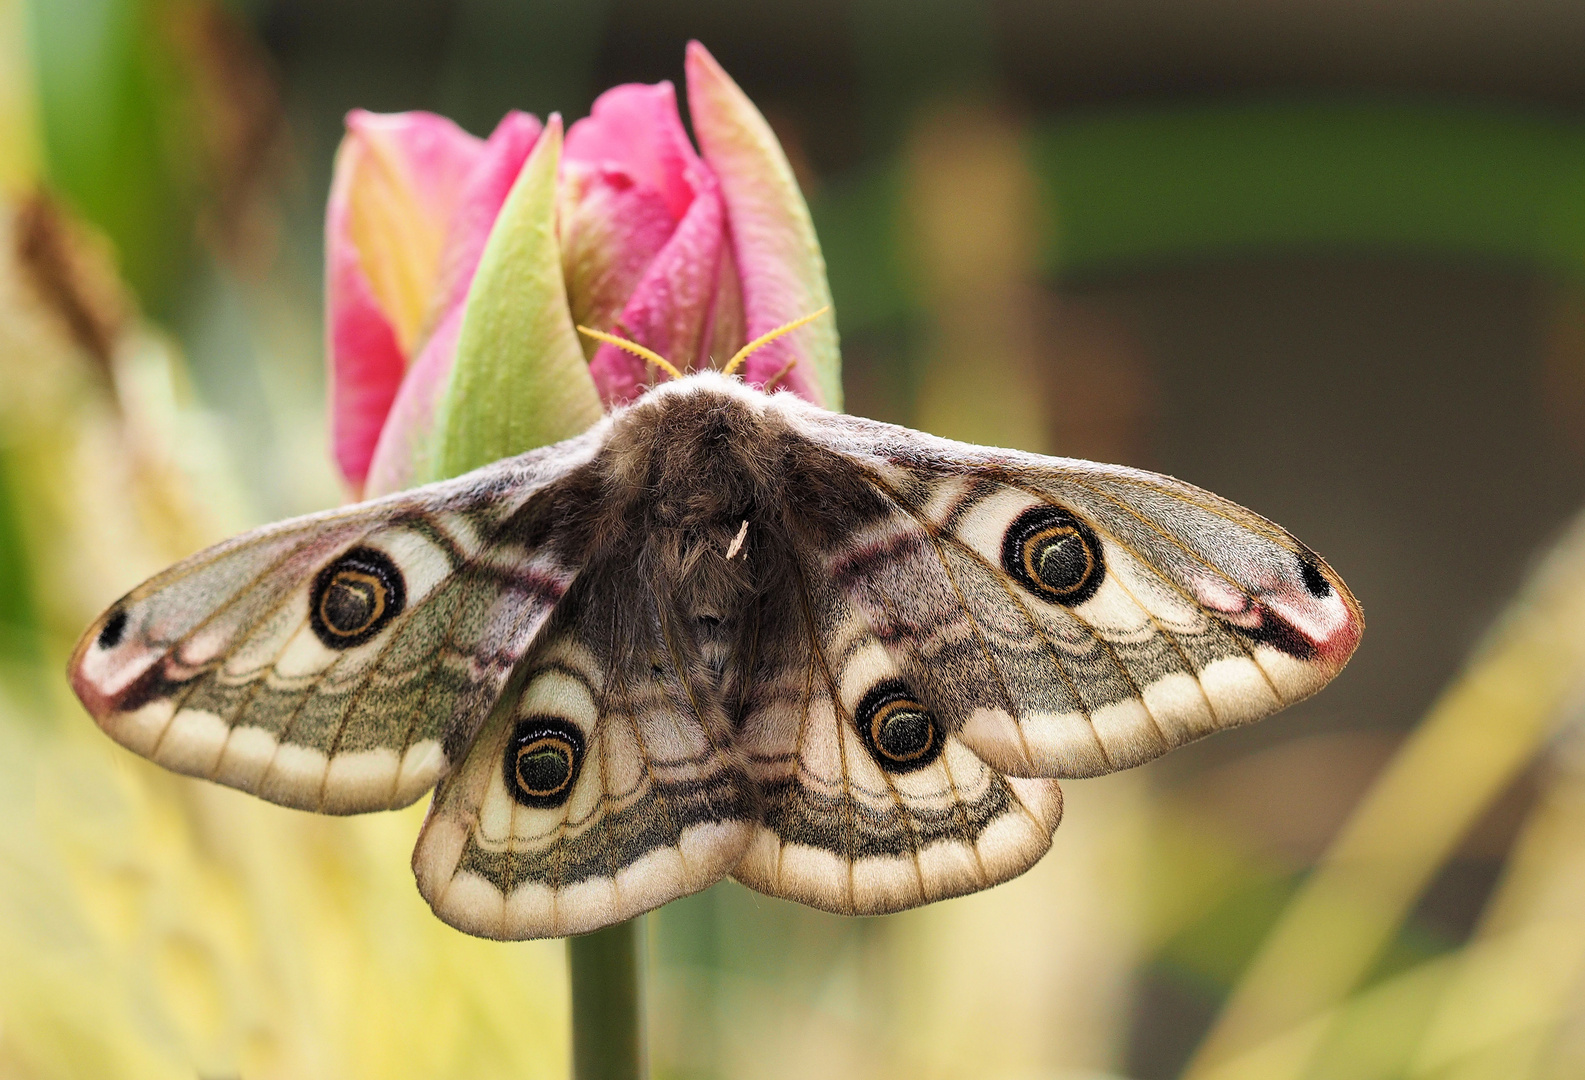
[1326, 259]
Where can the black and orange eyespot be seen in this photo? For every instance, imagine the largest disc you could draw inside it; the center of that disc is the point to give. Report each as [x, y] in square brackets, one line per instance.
[542, 760]
[1054, 555]
[354, 597]
[901, 733]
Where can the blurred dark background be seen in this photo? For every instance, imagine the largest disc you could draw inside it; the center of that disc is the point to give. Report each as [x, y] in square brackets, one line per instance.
[1323, 258]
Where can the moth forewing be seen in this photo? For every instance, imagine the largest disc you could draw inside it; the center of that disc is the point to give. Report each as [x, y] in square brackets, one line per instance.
[335, 662]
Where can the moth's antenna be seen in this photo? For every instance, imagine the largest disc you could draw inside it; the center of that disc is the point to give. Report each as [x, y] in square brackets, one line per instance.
[635, 348]
[770, 383]
[765, 339]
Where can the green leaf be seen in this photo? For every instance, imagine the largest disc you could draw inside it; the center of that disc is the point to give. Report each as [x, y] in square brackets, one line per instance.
[115, 112]
[520, 379]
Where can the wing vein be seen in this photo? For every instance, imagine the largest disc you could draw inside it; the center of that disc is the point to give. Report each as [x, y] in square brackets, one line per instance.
[1000, 578]
[1175, 542]
[844, 720]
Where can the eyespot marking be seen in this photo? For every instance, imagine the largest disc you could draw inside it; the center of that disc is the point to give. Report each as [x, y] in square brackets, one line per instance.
[111, 633]
[542, 761]
[1054, 555]
[355, 597]
[901, 733]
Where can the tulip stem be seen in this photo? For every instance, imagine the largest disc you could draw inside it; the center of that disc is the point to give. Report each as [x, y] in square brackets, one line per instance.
[607, 969]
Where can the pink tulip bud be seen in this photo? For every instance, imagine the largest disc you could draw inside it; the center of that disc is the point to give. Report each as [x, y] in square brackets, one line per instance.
[642, 234]
[778, 258]
[403, 442]
[685, 254]
[396, 185]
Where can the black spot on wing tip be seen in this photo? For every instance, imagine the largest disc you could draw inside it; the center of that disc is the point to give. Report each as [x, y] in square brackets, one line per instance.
[1314, 580]
[114, 629]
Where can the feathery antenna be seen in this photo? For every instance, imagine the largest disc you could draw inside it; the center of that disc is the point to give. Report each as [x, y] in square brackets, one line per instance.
[731, 365]
[765, 339]
[633, 347]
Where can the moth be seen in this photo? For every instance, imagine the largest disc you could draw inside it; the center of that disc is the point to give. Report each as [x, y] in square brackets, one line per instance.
[721, 632]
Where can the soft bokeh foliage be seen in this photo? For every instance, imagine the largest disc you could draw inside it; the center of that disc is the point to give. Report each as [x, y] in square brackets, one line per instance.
[148, 926]
[1359, 314]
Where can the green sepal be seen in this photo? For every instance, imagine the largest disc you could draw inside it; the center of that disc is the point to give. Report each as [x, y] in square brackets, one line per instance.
[519, 380]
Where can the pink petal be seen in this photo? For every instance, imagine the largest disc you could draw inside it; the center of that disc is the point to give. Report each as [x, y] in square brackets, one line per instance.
[405, 177]
[366, 364]
[480, 203]
[399, 457]
[670, 308]
[438, 155]
[407, 170]
[636, 128]
[773, 239]
[519, 379]
[654, 285]
[610, 231]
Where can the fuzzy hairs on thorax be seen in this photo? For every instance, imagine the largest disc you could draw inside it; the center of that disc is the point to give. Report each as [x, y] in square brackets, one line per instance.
[691, 480]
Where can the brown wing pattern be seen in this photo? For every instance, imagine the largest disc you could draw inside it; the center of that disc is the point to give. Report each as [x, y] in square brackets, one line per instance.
[845, 662]
[606, 788]
[869, 804]
[1069, 619]
[1041, 618]
[340, 662]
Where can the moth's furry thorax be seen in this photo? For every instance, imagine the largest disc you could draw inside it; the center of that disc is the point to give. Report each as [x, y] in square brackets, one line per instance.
[693, 457]
[683, 470]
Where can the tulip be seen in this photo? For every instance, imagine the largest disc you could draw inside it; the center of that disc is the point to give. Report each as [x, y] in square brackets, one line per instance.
[782, 272]
[457, 269]
[642, 232]
[411, 204]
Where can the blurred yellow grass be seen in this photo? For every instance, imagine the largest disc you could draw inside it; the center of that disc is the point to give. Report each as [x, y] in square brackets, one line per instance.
[19, 137]
[151, 927]
[1486, 727]
[155, 926]
[1521, 981]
